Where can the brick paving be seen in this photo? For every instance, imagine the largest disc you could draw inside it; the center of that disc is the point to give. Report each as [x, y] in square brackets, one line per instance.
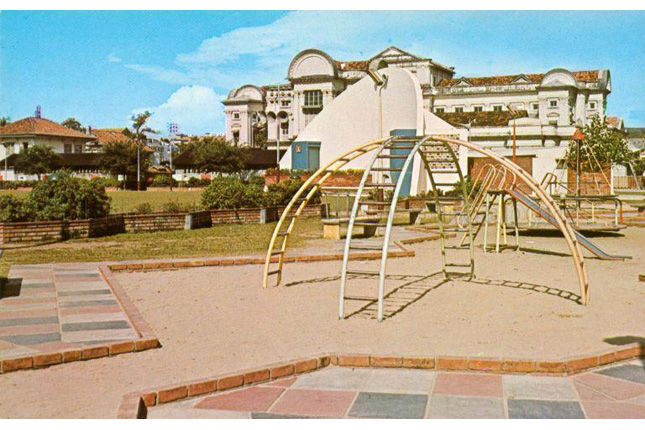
[49, 308]
[344, 392]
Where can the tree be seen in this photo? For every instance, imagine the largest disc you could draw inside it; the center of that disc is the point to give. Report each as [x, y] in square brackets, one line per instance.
[37, 160]
[120, 158]
[605, 144]
[138, 135]
[4, 121]
[73, 124]
[213, 154]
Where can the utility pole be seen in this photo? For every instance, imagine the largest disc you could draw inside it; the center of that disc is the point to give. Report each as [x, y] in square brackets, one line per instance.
[277, 145]
[514, 113]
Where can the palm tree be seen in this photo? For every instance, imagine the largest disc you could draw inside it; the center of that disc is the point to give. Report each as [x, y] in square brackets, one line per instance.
[138, 135]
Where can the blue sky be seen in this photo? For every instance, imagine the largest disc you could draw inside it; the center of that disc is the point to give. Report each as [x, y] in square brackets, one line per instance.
[100, 67]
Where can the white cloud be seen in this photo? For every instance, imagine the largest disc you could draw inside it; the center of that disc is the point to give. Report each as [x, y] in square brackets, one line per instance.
[196, 109]
[114, 59]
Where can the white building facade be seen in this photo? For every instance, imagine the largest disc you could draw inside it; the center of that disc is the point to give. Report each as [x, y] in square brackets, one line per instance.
[547, 106]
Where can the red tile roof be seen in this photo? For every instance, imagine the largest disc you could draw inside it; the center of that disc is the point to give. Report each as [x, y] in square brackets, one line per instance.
[613, 121]
[352, 65]
[583, 76]
[105, 135]
[41, 127]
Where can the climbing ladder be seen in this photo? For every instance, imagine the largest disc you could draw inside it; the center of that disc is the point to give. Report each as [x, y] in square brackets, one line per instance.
[430, 151]
[274, 261]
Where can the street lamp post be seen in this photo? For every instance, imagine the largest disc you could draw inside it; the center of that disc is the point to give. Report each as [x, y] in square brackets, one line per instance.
[277, 145]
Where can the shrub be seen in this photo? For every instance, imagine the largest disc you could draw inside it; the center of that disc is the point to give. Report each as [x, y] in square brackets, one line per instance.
[279, 194]
[232, 193]
[178, 207]
[143, 208]
[198, 182]
[14, 185]
[109, 182]
[68, 198]
[13, 209]
[163, 181]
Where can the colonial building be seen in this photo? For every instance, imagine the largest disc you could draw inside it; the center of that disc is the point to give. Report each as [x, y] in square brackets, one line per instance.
[257, 115]
[545, 107]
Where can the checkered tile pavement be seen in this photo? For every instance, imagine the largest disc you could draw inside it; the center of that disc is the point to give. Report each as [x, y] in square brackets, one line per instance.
[48, 308]
[341, 392]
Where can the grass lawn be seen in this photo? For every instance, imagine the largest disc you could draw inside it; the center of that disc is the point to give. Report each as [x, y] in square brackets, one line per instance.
[127, 201]
[219, 240]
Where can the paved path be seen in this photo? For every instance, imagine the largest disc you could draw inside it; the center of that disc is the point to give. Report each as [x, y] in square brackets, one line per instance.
[340, 392]
[53, 307]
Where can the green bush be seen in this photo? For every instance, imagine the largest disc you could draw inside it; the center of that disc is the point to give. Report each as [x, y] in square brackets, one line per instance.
[68, 198]
[163, 181]
[179, 207]
[13, 209]
[14, 185]
[107, 182]
[143, 208]
[279, 194]
[232, 193]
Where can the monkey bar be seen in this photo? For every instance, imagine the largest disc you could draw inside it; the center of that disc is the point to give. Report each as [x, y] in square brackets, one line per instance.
[433, 151]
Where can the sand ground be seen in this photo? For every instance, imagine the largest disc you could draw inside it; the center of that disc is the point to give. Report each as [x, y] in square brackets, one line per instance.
[214, 320]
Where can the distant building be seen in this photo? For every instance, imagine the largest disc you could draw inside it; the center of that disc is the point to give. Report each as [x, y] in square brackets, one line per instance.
[17, 136]
[548, 105]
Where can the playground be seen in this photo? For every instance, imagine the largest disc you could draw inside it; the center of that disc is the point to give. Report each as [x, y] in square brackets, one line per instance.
[521, 305]
[483, 289]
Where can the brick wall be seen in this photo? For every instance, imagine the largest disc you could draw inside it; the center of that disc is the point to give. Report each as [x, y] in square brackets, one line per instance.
[234, 216]
[49, 231]
[591, 183]
[476, 164]
[135, 223]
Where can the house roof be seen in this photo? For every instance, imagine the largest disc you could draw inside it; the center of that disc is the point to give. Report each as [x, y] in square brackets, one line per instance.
[536, 78]
[105, 135]
[352, 65]
[41, 127]
[614, 121]
[480, 119]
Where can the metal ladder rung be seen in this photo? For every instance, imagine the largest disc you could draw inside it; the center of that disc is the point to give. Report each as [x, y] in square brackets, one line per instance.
[362, 272]
[401, 147]
[458, 264]
[361, 298]
[379, 185]
[458, 248]
[450, 229]
[446, 184]
[393, 156]
[375, 203]
[386, 169]
[277, 252]
[282, 233]
[367, 247]
[273, 272]
[370, 224]
[445, 171]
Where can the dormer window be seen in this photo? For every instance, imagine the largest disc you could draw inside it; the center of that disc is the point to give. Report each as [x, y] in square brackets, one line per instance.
[497, 108]
[535, 106]
[439, 110]
[592, 105]
[236, 115]
[478, 108]
[553, 103]
[459, 109]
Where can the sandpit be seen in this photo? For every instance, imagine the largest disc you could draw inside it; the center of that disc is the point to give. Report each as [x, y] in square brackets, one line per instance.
[217, 319]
